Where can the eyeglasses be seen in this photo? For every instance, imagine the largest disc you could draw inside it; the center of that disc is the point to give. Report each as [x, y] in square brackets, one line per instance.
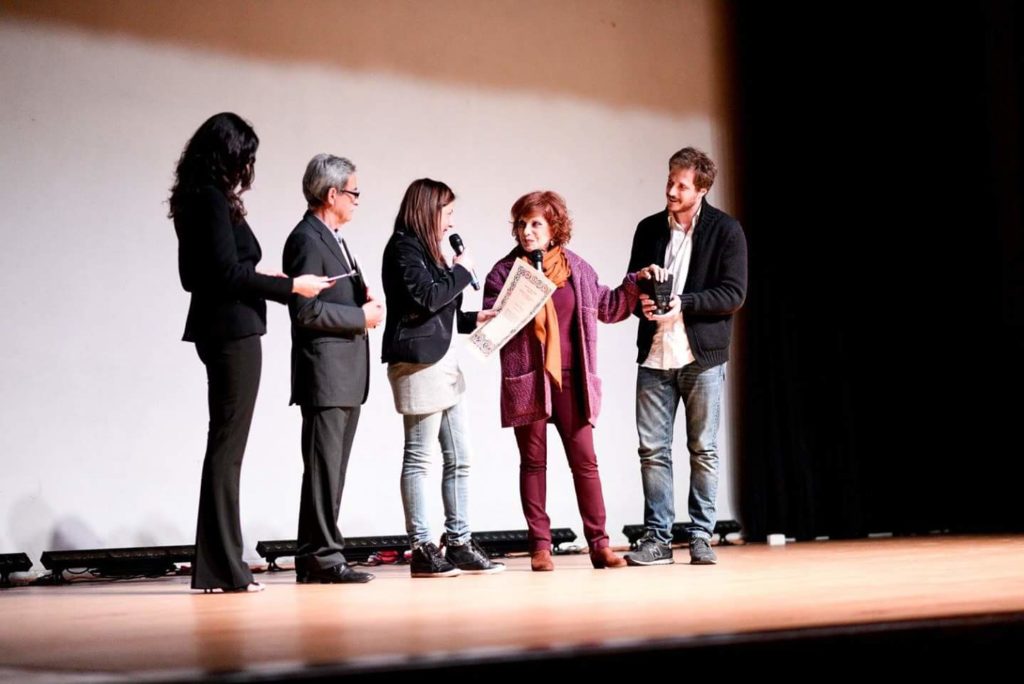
[354, 193]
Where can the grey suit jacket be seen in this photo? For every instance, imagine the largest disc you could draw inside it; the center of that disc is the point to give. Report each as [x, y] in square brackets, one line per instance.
[330, 348]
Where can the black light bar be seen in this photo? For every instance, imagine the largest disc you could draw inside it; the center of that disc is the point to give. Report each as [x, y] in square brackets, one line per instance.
[150, 561]
[12, 562]
[359, 549]
[679, 532]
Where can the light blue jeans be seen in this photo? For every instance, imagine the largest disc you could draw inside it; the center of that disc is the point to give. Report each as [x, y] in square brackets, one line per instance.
[658, 393]
[422, 432]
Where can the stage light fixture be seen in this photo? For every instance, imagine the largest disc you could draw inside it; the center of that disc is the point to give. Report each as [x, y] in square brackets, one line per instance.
[359, 549]
[12, 562]
[151, 561]
[679, 533]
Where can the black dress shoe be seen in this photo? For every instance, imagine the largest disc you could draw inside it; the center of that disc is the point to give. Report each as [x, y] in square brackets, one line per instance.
[337, 574]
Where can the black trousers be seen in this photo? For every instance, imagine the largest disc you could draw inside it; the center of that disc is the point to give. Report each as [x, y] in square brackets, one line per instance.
[233, 379]
[327, 434]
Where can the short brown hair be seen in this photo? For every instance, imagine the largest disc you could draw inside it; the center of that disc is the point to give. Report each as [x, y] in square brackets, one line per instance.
[704, 170]
[548, 204]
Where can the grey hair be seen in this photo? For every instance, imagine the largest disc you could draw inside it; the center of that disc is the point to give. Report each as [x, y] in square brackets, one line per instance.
[325, 171]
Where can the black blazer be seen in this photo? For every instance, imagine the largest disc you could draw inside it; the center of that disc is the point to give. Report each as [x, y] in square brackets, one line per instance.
[715, 287]
[217, 264]
[330, 348]
[423, 299]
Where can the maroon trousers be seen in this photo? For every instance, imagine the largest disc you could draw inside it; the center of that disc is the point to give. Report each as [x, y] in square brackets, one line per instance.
[578, 439]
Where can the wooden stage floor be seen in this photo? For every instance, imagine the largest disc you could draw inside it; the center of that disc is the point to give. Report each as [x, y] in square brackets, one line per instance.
[160, 630]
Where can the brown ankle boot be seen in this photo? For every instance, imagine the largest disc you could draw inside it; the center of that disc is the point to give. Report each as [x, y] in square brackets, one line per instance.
[606, 558]
[540, 561]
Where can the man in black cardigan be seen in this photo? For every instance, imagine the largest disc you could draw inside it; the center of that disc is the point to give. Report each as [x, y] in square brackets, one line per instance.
[683, 353]
[330, 363]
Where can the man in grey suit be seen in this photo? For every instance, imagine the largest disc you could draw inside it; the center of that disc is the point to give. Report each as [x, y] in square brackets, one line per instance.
[330, 363]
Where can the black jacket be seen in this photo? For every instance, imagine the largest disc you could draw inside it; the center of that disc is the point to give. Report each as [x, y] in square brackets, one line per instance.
[423, 299]
[715, 287]
[217, 265]
[330, 348]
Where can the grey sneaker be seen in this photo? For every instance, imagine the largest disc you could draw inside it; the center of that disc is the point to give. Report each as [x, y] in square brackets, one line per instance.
[469, 557]
[701, 552]
[650, 552]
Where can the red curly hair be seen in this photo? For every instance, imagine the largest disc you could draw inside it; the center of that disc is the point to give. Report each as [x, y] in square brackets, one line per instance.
[548, 204]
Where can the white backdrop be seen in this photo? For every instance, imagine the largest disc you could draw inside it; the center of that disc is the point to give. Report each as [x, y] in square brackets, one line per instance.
[102, 409]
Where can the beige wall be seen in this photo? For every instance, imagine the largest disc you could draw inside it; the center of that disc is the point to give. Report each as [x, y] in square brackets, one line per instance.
[102, 409]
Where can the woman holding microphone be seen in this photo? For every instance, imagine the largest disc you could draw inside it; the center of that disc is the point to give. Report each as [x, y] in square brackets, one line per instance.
[549, 370]
[424, 298]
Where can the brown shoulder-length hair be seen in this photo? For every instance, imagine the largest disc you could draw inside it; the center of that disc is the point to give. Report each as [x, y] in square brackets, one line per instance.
[548, 204]
[420, 212]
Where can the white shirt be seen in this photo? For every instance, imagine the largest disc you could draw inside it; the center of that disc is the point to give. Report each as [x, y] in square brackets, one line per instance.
[670, 347]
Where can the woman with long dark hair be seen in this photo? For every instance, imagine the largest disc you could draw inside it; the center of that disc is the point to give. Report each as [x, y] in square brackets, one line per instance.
[217, 257]
[549, 371]
[424, 297]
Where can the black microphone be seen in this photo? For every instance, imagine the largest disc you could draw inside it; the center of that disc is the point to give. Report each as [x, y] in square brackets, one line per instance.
[459, 247]
[537, 257]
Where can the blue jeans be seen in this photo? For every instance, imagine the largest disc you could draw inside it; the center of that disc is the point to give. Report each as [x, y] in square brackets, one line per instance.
[658, 393]
[422, 432]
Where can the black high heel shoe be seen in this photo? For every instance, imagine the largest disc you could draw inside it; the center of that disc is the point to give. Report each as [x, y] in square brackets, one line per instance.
[248, 588]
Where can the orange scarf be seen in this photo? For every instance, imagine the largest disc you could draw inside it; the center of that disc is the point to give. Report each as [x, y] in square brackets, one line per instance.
[545, 324]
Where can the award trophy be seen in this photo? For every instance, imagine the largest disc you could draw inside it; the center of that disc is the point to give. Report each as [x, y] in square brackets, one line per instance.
[660, 292]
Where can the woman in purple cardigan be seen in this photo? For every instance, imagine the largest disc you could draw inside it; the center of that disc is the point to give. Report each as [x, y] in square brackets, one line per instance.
[549, 371]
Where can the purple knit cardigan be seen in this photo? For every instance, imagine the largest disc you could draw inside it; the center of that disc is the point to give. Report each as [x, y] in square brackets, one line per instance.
[525, 387]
